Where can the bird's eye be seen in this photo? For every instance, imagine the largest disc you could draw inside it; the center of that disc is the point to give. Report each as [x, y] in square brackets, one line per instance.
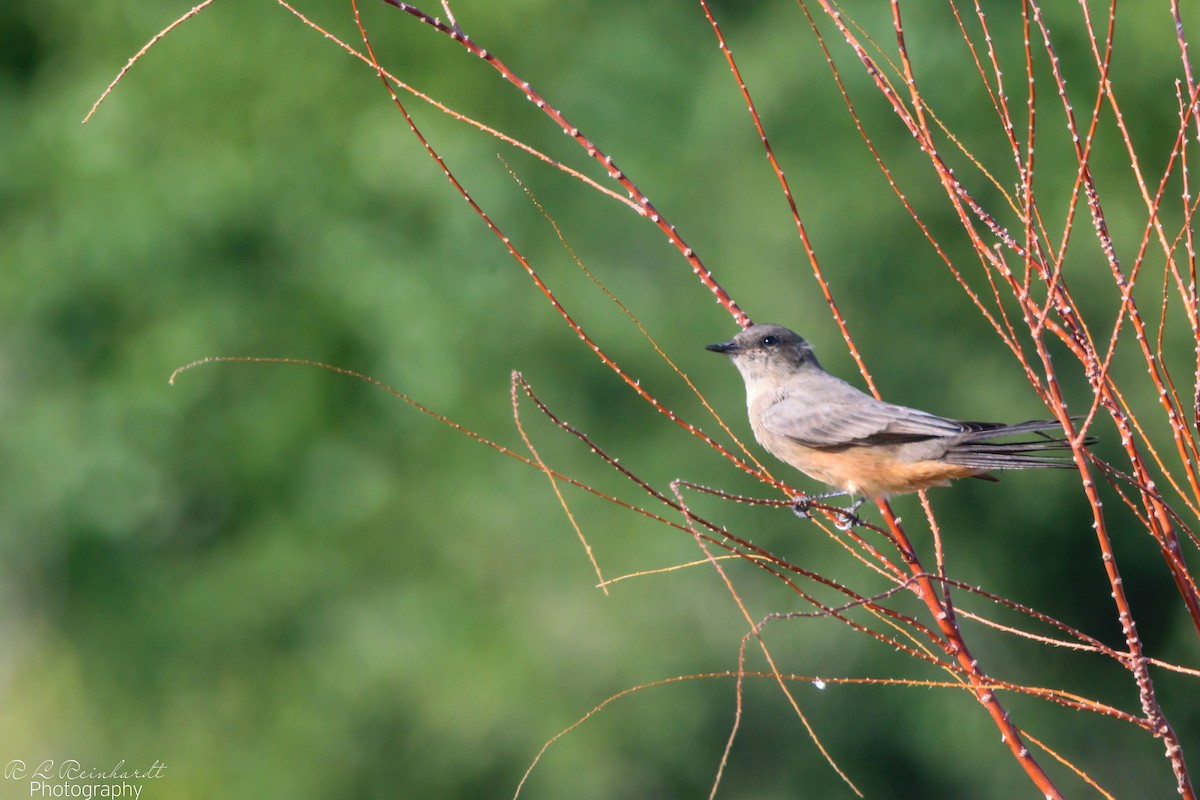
[770, 341]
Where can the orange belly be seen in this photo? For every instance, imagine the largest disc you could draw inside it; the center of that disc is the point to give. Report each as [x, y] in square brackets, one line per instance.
[871, 471]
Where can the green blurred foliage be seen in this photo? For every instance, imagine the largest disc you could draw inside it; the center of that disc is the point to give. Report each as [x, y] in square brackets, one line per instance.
[284, 583]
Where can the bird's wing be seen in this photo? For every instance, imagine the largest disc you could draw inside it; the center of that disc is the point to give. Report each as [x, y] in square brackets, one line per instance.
[855, 420]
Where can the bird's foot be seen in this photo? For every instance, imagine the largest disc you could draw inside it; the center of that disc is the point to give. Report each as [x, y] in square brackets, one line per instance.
[801, 507]
[850, 516]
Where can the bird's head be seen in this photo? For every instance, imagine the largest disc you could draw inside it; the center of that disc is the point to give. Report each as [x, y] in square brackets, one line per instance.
[767, 353]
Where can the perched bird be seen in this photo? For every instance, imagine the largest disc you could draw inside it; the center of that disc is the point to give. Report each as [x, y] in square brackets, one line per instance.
[841, 436]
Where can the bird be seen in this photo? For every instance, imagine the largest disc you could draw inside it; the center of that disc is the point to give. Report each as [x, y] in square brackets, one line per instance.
[862, 446]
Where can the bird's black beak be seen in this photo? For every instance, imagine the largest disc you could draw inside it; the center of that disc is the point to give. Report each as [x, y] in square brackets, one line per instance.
[723, 347]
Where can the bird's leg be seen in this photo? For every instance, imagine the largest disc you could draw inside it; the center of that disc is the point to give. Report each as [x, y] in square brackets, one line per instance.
[801, 504]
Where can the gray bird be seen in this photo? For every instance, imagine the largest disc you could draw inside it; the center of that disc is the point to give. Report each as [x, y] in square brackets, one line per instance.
[841, 436]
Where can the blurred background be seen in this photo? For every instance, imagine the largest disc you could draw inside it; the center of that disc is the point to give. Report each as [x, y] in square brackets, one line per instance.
[281, 582]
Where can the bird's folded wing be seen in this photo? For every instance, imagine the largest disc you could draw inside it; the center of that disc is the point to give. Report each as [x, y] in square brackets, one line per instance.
[859, 422]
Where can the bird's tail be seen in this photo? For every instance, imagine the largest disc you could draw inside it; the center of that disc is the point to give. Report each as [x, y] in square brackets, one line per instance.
[976, 449]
